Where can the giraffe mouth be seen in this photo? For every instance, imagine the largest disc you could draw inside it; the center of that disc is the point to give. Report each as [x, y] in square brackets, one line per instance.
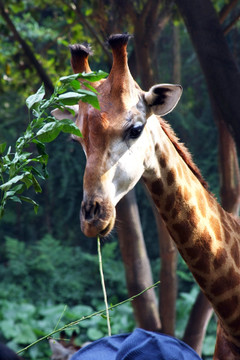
[96, 221]
[106, 231]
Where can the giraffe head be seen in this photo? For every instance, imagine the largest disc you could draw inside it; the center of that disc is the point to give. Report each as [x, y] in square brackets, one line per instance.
[116, 139]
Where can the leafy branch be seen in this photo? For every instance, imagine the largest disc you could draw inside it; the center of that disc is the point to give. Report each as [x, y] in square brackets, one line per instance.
[19, 169]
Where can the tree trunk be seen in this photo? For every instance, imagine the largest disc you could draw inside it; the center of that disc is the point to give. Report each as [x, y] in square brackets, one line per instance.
[197, 324]
[136, 263]
[176, 73]
[218, 65]
[229, 171]
[168, 278]
[143, 49]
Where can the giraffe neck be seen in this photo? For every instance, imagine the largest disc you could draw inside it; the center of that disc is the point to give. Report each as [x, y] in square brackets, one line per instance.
[206, 236]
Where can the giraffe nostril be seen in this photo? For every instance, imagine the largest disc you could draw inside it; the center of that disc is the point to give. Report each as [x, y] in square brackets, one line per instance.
[91, 210]
[96, 209]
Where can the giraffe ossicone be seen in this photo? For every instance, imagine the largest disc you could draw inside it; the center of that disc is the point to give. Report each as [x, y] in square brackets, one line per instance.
[126, 140]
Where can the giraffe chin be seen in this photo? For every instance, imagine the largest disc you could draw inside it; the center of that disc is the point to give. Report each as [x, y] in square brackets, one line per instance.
[99, 228]
[107, 229]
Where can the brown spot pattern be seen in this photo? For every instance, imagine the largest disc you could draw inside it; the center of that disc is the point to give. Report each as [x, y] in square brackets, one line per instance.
[227, 307]
[203, 263]
[200, 252]
[192, 217]
[170, 177]
[205, 240]
[235, 253]
[174, 213]
[225, 283]
[157, 148]
[163, 161]
[170, 200]
[220, 258]
[157, 187]
[200, 279]
[184, 230]
[235, 324]
[192, 252]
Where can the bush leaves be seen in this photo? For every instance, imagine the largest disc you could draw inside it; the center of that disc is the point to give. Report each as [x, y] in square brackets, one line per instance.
[19, 169]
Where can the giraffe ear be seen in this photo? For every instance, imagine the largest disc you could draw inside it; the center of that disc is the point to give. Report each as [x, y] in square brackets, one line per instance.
[163, 98]
[66, 114]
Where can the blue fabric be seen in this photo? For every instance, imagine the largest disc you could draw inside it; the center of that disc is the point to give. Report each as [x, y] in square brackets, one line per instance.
[139, 345]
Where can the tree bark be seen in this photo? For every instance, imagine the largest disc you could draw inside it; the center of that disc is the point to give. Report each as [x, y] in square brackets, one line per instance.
[197, 323]
[218, 65]
[226, 9]
[168, 278]
[136, 263]
[229, 171]
[176, 73]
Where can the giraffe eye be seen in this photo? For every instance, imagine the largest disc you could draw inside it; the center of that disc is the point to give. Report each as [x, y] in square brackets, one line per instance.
[136, 130]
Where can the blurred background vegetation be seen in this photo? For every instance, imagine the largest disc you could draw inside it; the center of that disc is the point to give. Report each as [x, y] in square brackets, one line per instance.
[45, 260]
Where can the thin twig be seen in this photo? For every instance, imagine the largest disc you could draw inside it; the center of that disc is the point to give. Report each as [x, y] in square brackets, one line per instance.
[73, 323]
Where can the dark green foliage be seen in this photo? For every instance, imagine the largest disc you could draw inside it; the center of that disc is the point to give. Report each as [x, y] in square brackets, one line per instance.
[38, 279]
[51, 271]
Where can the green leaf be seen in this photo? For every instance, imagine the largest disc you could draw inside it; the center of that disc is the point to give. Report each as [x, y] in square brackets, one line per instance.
[36, 185]
[14, 180]
[37, 172]
[31, 201]
[3, 147]
[28, 180]
[68, 126]
[90, 87]
[92, 100]
[71, 98]
[68, 79]
[93, 76]
[75, 84]
[15, 199]
[48, 132]
[1, 211]
[35, 98]
[18, 189]
[94, 334]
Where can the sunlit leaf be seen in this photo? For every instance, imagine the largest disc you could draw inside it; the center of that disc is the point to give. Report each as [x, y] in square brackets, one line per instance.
[71, 98]
[14, 180]
[94, 76]
[35, 98]
[48, 132]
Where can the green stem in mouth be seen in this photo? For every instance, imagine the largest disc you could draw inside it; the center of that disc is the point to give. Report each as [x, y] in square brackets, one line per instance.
[103, 286]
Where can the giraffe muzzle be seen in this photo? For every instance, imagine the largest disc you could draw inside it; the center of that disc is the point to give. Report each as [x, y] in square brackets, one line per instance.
[97, 218]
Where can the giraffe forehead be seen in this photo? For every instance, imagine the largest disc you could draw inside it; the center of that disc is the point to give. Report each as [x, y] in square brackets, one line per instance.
[100, 129]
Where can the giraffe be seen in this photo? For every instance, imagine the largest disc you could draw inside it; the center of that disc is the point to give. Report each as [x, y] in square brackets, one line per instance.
[127, 140]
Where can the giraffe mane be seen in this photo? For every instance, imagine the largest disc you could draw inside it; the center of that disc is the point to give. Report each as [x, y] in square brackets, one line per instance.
[183, 151]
